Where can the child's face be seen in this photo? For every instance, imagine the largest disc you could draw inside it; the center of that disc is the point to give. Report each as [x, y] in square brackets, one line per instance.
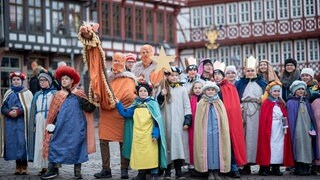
[173, 77]
[210, 92]
[197, 89]
[143, 93]
[44, 83]
[299, 92]
[218, 77]
[251, 73]
[306, 78]
[16, 81]
[275, 94]
[263, 67]
[290, 67]
[192, 73]
[66, 82]
[231, 75]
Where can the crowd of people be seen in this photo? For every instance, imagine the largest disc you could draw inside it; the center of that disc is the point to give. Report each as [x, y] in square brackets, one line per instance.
[211, 118]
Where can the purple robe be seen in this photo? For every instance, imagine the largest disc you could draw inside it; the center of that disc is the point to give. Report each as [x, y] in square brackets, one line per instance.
[293, 108]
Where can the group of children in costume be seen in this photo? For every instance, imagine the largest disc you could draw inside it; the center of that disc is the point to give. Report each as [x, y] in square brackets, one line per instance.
[205, 119]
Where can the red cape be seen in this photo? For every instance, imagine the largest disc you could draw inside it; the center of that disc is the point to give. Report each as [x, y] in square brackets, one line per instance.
[265, 124]
[231, 102]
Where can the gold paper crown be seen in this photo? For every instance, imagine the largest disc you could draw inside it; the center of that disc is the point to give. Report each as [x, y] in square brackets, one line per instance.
[219, 65]
[190, 61]
[251, 62]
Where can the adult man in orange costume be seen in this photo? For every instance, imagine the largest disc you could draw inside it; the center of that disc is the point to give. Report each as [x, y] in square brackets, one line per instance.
[122, 83]
[146, 67]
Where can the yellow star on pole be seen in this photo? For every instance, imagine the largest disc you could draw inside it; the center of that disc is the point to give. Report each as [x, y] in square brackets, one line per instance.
[163, 61]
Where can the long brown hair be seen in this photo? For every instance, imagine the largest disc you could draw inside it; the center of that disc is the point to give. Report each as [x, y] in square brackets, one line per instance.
[164, 84]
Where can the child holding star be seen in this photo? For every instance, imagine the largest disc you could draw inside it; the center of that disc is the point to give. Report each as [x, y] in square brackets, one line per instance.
[176, 112]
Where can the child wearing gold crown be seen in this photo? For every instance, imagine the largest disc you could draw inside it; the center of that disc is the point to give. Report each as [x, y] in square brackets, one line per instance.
[274, 143]
[250, 89]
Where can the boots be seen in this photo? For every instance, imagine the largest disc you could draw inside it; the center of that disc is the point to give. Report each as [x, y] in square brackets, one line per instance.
[141, 175]
[24, 170]
[77, 171]
[216, 175]
[177, 168]
[124, 174]
[275, 170]
[18, 169]
[42, 172]
[104, 173]
[167, 172]
[264, 171]
[246, 170]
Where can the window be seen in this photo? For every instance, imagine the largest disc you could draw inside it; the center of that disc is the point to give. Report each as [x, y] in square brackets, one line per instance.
[8, 64]
[212, 54]
[269, 10]
[261, 51]
[313, 50]
[139, 23]
[16, 15]
[160, 26]
[232, 13]
[74, 18]
[170, 29]
[34, 15]
[196, 17]
[318, 7]
[200, 53]
[207, 16]
[105, 15]
[257, 11]
[247, 51]
[274, 51]
[219, 12]
[296, 8]
[128, 22]
[283, 9]
[235, 56]
[149, 22]
[309, 7]
[116, 20]
[224, 54]
[58, 19]
[286, 50]
[244, 12]
[299, 47]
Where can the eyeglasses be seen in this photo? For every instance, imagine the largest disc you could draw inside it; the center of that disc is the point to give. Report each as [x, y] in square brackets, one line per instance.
[250, 70]
[43, 80]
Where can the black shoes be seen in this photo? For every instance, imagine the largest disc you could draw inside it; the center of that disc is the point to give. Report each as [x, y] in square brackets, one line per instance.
[275, 170]
[124, 174]
[246, 170]
[52, 173]
[103, 174]
[234, 174]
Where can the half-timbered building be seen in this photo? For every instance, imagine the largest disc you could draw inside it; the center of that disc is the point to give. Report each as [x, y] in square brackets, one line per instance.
[46, 30]
[267, 29]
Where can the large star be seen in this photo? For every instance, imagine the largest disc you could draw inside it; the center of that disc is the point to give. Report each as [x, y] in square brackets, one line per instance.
[163, 61]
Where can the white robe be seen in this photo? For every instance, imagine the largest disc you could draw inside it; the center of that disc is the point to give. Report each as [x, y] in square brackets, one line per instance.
[42, 104]
[277, 136]
[173, 114]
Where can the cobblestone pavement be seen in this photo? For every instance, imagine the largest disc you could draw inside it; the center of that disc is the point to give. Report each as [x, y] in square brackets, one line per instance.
[94, 165]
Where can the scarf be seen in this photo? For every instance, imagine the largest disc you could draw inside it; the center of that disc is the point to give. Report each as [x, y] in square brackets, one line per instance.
[210, 99]
[288, 78]
[16, 88]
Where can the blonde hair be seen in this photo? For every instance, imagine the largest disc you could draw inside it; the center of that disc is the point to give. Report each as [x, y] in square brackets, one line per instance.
[193, 84]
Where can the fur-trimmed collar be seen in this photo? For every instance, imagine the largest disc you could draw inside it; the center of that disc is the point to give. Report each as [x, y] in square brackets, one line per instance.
[139, 69]
[126, 74]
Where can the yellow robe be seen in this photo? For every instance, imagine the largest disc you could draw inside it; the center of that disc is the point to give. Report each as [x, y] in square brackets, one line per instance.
[144, 153]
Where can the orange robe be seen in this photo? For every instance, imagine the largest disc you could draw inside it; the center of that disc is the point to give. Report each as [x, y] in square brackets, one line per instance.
[111, 124]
